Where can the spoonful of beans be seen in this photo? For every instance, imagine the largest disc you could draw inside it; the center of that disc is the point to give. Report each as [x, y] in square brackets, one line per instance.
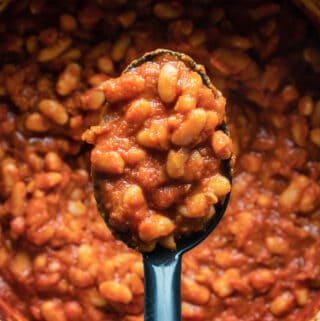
[161, 167]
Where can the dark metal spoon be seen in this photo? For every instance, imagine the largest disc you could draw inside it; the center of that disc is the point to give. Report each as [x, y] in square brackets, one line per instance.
[162, 267]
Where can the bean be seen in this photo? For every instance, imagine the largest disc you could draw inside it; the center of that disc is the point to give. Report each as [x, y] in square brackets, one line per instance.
[77, 194]
[89, 15]
[219, 185]
[230, 61]
[137, 268]
[207, 101]
[107, 270]
[264, 10]
[167, 83]
[80, 278]
[252, 163]
[192, 84]
[282, 304]
[97, 80]
[9, 174]
[86, 256]
[72, 54]
[175, 162]
[238, 42]
[93, 99]
[197, 38]
[223, 285]
[277, 245]
[4, 256]
[36, 6]
[134, 155]
[265, 201]
[127, 18]
[309, 198]
[190, 129]
[43, 235]
[126, 87]
[312, 56]
[135, 284]
[120, 48]
[105, 64]
[212, 121]
[53, 162]
[227, 258]
[306, 105]
[3, 4]
[242, 226]
[69, 79]
[123, 260]
[68, 23]
[32, 44]
[133, 197]
[17, 198]
[115, 292]
[36, 123]
[54, 111]
[262, 279]
[192, 312]
[221, 144]
[98, 50]
[168, 242]
[167, 11]
[196, 206]
[96, 299]
[47, 180]
[315, 136]
[156, 136]
[49, 53]
[194, 166]
[40, 262]
[52, 311]
[293, 192]
[185, 104]
[21, 265]
[44, 85]
[315, 116]
[181, 27]
[18, 225]
[73, 310]
[289, 93]
[138, 111]
[299, 130]
[48, 36]
[194, 292]
[108, 162]
[302, 296]
[155, 226]
[76, 208]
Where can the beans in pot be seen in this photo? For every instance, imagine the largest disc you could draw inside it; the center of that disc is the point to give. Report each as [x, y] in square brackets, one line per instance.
[58, 260]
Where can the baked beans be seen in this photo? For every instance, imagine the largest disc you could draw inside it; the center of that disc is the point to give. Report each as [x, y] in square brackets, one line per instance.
[58, 260]
[158, 155]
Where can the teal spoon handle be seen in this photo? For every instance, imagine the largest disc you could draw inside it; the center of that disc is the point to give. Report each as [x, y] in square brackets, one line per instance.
[162, 295]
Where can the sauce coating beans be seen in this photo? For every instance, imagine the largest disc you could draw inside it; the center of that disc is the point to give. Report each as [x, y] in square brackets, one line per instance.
[58, 259]
[157, 156]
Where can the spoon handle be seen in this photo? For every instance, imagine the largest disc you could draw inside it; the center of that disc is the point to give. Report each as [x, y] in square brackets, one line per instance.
[162, 299]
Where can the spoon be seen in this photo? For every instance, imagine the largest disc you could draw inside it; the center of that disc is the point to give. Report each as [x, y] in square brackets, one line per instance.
[162, 267]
